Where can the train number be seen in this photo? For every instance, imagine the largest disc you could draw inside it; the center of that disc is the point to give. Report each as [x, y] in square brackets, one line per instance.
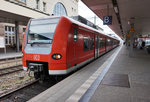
[36, 57]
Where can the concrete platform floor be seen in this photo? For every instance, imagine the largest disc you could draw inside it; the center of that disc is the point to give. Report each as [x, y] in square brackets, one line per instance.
[138, 70]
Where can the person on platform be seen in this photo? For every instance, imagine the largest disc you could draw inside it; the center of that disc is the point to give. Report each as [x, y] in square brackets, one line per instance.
[143, 44]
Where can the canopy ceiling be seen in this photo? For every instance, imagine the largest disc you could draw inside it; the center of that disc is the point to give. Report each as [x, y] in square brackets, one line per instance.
[124, 13]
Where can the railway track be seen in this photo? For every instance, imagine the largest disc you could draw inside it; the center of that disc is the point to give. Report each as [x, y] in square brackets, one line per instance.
[4, 96]
[26, 92]
[9, 70]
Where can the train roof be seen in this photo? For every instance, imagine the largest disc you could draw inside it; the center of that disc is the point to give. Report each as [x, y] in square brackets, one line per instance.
[75, 21]
[89, 27]
[86, 22]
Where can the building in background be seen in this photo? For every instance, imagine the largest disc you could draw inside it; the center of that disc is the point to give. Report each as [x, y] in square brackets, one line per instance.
[16, 13]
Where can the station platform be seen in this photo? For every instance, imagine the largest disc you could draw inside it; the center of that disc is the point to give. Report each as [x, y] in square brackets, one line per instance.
[9, 55]
[127, 80]
[114, 77]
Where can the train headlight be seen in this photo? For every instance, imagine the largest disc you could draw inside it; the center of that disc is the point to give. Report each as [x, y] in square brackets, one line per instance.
[56, 56]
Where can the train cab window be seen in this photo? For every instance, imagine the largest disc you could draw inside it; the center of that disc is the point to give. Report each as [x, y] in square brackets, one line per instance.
[85, 44]
[75, 35]
[41, 31]
[91, 44]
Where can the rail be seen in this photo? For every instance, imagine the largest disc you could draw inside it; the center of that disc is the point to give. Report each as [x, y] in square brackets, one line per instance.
[17, 89]
[10, 62]
[10, 70]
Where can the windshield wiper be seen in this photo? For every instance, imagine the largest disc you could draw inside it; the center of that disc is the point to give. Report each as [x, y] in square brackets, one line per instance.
[36, 42]
[42, 35]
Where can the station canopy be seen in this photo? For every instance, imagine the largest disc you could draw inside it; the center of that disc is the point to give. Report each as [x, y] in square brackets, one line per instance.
[125, 13]
[8, 17]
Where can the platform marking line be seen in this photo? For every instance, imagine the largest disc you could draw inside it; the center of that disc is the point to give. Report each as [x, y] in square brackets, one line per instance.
[77, 95]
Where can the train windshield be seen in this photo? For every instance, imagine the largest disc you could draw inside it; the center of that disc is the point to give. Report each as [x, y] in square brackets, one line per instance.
[42, 31]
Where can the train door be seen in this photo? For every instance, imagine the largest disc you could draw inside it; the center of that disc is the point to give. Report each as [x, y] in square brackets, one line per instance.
[72, 47]
[96, 46]
[75, 44]
[104, 41]
[106, 44]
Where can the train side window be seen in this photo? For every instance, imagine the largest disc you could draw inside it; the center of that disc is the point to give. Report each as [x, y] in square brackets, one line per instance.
[99, 43]
[85, 44]
[102, 42]
[91, 44]
[108, 42]
[75, 35]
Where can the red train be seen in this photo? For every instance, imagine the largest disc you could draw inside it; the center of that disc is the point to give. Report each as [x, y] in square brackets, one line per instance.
[59, 45]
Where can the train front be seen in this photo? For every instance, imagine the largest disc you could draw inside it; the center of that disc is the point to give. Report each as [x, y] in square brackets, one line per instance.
[37, 45]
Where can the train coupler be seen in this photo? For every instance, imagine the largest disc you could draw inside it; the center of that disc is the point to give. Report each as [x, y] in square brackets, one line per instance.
[36, 67]
[38, 70]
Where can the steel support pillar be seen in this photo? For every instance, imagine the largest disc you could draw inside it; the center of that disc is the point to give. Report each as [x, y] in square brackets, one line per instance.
[131, 44]
[17, 35]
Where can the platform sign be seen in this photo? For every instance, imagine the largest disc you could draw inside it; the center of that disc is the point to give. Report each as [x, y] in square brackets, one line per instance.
[107, 20]
[2, 42]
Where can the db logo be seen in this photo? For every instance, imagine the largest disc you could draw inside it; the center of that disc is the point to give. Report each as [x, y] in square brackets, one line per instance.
[36, 57]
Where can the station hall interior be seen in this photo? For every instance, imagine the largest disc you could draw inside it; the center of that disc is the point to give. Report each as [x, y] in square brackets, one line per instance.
[121, 75]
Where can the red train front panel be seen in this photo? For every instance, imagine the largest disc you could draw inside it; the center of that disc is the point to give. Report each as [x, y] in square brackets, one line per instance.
[45, 46]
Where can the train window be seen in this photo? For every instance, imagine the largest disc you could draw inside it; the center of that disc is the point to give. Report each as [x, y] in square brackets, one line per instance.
[96, 43]
[108, 42]
[42, 30]
[99, 43]
[85, 44]
[91, 44]
[102, 42]
[75, 35]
